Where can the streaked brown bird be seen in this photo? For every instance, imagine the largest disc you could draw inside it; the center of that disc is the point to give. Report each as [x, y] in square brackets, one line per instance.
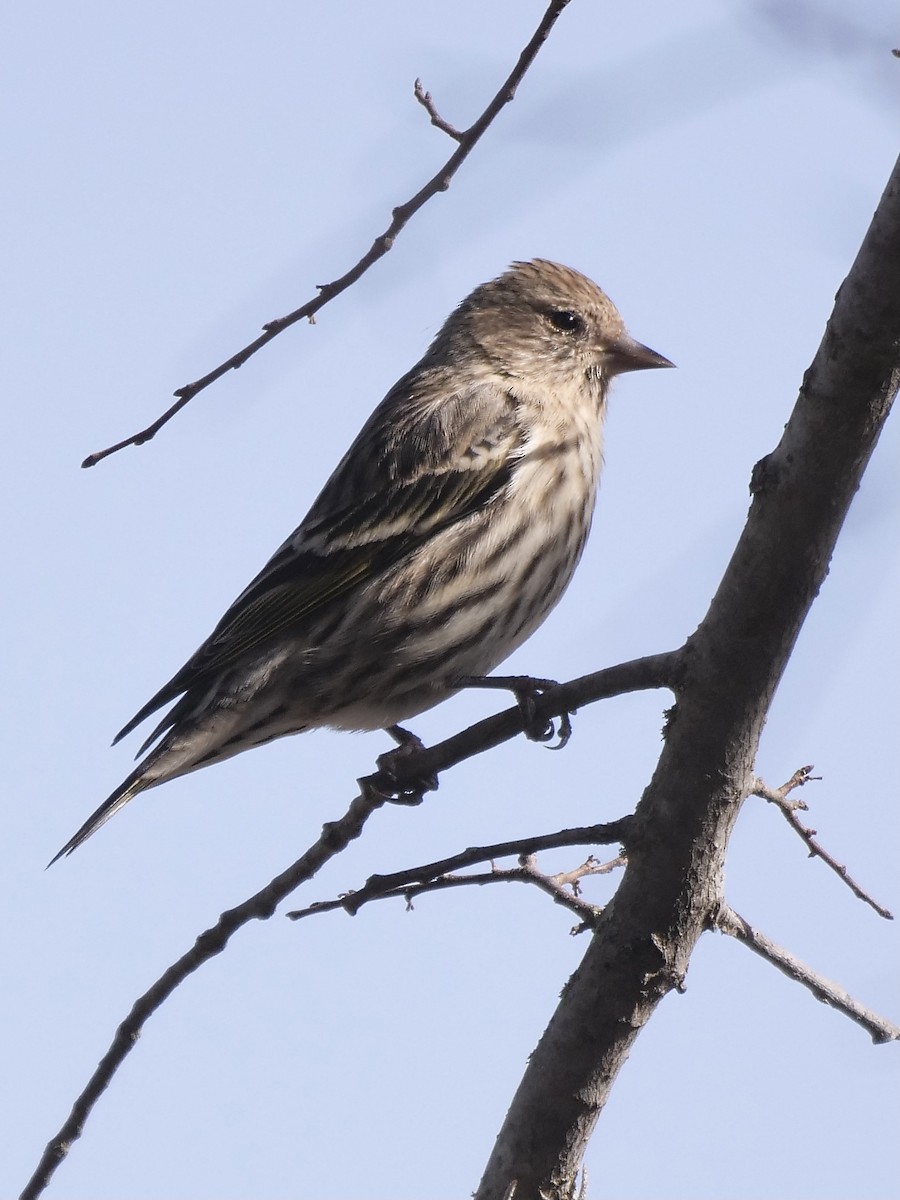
[447, 533]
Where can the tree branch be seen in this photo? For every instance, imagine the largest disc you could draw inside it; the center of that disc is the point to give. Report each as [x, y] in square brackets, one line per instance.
[424, 98]
[788, 809]
[413, 879]
[400, 217]
[335, 837]
[730, 669]
[656, 671]
[832, 994]
[526, 872]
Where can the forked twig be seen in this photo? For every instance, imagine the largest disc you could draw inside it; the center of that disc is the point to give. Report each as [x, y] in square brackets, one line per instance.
[789, 809]
[437, 876]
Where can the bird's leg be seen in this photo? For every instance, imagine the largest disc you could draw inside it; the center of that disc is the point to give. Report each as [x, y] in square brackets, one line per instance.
[526, 690]
[401, 789]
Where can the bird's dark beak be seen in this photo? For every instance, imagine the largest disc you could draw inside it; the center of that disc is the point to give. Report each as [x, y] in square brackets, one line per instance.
[625, 354]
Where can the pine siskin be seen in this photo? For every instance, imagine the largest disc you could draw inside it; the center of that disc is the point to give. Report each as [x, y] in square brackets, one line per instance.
[447, 533]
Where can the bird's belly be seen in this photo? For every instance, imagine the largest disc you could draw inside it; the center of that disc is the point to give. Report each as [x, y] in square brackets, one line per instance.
[460, 608]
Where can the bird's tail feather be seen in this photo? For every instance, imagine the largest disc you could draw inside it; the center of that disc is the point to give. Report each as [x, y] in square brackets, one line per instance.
[136, 782]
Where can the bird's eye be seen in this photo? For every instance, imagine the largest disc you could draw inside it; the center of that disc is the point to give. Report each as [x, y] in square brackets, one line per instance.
[566, 321]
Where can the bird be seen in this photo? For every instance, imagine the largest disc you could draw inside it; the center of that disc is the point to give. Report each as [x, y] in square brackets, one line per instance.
[442, 540]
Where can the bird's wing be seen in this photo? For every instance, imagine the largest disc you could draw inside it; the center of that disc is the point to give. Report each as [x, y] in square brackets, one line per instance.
[418, 465]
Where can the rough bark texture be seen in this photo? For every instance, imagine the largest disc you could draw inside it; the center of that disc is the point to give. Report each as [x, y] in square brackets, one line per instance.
[729, 670]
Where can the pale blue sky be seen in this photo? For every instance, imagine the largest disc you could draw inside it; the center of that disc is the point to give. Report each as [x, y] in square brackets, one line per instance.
[176, 174]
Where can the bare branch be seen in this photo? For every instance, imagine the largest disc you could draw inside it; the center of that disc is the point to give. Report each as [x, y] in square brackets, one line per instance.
[424, 98]
[788, 808]
[415, 879]
[640, 674]
[526, 872]
[400, 217]
[657, 671]
[779, 796]
[832, 994]
[590, 866]
[335, 837]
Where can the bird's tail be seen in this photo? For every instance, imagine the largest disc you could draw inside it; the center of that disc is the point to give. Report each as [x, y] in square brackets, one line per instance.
[136, 782]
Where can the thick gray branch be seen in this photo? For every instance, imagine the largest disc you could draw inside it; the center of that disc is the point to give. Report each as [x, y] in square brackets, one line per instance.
[731, 667]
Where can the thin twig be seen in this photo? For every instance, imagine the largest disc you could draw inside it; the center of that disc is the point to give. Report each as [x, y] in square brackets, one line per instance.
[590, 866]
[400, 217]
[402, 883]
[335, 837]
[779, 796]
[425, 99]
[788, 809]
[832, 994]
[586, 913]
[555, 886]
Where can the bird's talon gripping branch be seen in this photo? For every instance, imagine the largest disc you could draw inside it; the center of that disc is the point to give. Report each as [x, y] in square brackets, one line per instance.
[537, 729]
[392, 779]
[563, 731]
[378, 789]
[527, 691]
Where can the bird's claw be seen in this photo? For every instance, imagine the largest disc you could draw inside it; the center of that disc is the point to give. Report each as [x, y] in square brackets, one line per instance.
[392, 781]
[527, 692]
[563, 731]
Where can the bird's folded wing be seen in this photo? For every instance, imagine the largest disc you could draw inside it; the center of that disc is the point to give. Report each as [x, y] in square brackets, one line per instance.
[415, 468]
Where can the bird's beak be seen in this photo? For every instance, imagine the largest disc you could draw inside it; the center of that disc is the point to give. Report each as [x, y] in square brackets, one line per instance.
[625, 354]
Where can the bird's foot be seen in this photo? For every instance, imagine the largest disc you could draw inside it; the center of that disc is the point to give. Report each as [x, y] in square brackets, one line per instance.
[527, 691]
[392, 781]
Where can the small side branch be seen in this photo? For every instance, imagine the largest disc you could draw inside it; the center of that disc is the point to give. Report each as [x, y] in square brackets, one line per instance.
[441, 874]
[401, 216]
[554, 886]
[424, 98]
[789, 809]
[880, 1029]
